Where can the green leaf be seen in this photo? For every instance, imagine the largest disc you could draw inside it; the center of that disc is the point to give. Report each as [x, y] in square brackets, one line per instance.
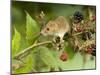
[47, 57]
[32, 28]
[16, 42]
[27, 65]
[70, 52]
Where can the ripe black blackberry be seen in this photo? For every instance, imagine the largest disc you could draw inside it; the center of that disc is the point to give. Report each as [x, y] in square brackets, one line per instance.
[93, 52]
[93, 46]
[86, 35]
[57, 39]
[78, 17]
[65, 37]
[94, 49]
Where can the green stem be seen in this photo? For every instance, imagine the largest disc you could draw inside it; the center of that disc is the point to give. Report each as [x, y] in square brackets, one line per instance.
[30, 48]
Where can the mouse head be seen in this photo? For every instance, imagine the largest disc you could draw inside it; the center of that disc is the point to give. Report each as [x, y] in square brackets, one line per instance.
[49, 29]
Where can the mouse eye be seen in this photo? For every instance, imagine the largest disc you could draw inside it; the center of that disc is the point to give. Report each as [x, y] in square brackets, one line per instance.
[47, 29]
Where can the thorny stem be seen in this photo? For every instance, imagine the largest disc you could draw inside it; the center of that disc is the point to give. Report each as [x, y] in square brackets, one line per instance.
[28, 49]
[77, 34]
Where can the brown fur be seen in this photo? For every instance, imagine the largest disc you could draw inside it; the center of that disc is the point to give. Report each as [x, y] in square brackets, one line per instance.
[59, 26]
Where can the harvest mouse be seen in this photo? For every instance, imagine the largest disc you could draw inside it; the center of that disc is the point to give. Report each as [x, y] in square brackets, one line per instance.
[57, 27]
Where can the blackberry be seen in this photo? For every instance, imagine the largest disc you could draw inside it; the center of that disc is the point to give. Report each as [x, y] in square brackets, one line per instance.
[93, 46]
[78, 17]
[59, 47]
[79, 29]
[94, 52]
[93, 49]
[89, 35]
[65, 37]
[64, 56]
[86, 35]
[89, 50]
[57, 39]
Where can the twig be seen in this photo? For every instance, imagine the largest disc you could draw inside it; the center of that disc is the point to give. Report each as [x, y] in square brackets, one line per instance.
[30, 48]
[77, 34]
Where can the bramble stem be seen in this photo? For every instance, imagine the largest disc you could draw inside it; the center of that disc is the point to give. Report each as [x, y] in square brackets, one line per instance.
[30, 48]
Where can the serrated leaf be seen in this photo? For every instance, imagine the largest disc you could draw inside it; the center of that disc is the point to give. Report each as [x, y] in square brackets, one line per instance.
[27, 65]
[16, 42]
[32, 28]
[46, 56]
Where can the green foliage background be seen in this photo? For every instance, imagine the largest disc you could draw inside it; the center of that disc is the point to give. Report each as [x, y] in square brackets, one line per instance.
[25, 29]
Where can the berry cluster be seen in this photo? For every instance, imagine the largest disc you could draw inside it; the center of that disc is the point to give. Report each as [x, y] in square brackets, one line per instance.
[78, 17]
[57, 43]
[85, 30]
[92, 50]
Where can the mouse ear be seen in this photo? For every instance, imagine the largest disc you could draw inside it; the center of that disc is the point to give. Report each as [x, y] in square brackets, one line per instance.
[50, 21]
[60, 19]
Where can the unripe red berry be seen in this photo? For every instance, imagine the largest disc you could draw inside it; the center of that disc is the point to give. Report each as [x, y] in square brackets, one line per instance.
[93, 46]
[79, 29]
[89, 50]
[93, 18]
[64, 56]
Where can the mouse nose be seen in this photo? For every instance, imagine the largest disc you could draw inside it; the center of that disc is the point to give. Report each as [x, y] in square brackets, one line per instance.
[43, 33]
